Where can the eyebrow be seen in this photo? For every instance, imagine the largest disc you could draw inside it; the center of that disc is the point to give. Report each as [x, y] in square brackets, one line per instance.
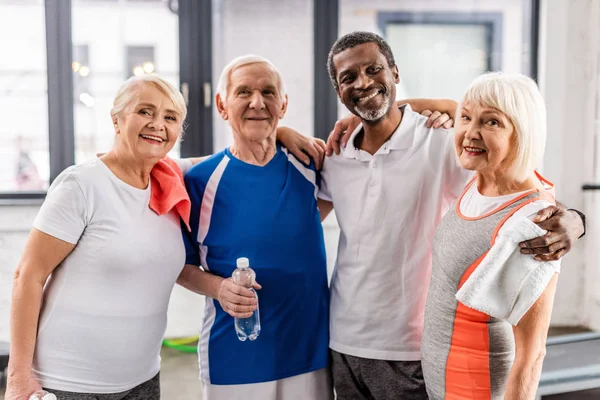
[150, 105]
[238, 88]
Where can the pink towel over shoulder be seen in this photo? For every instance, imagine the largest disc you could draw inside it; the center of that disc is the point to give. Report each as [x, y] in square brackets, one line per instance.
[168, 190]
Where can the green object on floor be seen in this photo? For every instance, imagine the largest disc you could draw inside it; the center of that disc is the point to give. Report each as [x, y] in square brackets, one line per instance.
[185, 345]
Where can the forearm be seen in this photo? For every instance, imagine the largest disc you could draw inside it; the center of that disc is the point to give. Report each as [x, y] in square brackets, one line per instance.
[198, 281]
[524, 379]
[442, 105]
[24, 317]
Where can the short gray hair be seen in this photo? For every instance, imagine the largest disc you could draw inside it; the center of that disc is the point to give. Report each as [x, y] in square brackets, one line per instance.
[128, 91]
[224, 79]
[518, 97]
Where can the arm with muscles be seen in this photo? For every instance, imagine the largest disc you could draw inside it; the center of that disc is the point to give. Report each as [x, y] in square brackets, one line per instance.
[42, 254]
[441, 117]
[530, 347]
[564, 228]
[237, 301]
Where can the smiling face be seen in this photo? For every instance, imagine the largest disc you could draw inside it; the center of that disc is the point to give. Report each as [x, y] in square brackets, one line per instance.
[485, 139]
[149, 126]
[254, 103]
[366, 83]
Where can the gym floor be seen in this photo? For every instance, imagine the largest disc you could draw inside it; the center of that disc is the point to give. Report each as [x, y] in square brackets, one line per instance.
[179, 376]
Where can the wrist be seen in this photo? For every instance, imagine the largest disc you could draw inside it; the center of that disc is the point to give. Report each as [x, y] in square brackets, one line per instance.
[280, 132]
[581, 216]
[19, 371]
[219, 285]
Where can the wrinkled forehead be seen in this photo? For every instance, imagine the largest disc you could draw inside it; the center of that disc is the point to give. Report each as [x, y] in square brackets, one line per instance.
[256, 75]
[148, 94]
[358, 56]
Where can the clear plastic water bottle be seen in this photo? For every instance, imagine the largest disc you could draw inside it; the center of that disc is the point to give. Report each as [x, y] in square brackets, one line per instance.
[246, 328]
[42, 395]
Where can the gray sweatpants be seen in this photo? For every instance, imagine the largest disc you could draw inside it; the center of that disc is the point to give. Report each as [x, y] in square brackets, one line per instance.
[149, 390]
[356, 378]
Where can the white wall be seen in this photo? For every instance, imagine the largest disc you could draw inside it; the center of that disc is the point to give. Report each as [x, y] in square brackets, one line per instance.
[569, 81]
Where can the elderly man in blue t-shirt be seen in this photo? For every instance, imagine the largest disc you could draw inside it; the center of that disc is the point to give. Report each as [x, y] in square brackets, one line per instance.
[256, 200]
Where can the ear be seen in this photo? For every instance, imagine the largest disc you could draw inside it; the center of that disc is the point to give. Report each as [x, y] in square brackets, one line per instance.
[396, 74]
[115, 121]
[283, 107]
[221, 107]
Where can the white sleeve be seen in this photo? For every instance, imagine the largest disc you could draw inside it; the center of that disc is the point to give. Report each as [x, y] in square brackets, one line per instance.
[324, 193]
[184, 165]
[64, 212]
[455, 176]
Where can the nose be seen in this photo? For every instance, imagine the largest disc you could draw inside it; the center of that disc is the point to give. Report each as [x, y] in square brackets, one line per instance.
[472, 132]
[156, 123]
[363, 81]
[256, 101]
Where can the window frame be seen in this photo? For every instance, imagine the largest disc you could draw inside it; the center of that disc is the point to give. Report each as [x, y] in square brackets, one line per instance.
[195, 72]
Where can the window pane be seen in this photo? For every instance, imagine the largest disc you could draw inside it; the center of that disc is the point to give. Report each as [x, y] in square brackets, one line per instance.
[438, 51]
[240, 27]
[112, 41]
[24, 160]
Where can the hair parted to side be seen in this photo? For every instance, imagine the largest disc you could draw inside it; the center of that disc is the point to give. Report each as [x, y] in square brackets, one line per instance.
[354, 39]
[518, 97]
[129, 90]
[225, 78]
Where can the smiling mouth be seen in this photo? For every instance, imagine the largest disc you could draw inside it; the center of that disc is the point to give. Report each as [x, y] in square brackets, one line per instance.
[257, 119]
[364, 99]
[474, 150]
[154, 138]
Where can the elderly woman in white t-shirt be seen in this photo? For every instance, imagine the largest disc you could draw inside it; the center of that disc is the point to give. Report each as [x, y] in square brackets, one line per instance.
[91, 291]
[488, 307]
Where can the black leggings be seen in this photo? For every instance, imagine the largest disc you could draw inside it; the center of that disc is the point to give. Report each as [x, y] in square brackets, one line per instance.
[149, 390]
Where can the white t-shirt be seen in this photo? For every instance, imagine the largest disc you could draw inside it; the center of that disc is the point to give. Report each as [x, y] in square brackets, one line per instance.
[473, 205]
[388, 206]
[104, 311]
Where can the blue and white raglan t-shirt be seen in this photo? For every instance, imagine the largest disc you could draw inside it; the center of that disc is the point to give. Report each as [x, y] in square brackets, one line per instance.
[268, 214]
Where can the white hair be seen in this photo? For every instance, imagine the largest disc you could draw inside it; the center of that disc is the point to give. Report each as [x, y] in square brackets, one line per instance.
[129, 91]
[518, 97]
[225, 78]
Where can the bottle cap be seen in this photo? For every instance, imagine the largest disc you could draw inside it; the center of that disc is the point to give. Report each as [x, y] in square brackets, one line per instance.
[243, 262]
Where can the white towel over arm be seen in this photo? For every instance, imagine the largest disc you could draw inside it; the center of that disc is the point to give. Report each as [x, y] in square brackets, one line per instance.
[507, 283]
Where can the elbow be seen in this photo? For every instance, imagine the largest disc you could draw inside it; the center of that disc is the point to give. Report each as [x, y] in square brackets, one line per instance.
[530, 368]
[19, 277]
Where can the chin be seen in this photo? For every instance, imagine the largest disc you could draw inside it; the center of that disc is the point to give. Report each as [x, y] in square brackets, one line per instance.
[258, 136]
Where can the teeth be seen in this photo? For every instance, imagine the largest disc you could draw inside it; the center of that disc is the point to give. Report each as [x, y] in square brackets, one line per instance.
[474, 150]
[368, 97]
[159, 140]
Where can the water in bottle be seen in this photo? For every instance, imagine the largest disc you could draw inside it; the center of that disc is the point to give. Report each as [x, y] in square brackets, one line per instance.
[246, 328]
[42, 395]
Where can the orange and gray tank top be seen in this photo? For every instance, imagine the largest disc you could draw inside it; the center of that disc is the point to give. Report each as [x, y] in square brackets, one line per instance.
[466, 354]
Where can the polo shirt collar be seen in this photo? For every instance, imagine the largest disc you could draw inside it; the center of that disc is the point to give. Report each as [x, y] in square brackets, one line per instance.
[402, 138]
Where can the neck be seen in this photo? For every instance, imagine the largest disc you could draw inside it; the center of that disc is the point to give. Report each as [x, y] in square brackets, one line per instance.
[500, 184]
[379, 132]
[255, 152]
[127, 168]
